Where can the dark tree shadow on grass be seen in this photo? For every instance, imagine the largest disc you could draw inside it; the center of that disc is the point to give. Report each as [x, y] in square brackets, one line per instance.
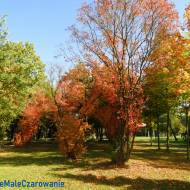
[32, 147]
[98, 156]
[174, 159]
[138, 183]
[31, 160]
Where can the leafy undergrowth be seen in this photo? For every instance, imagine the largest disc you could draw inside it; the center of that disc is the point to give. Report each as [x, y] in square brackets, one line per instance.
[147, 169]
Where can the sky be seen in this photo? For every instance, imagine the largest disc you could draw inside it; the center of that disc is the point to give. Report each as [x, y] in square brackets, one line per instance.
[44, 22]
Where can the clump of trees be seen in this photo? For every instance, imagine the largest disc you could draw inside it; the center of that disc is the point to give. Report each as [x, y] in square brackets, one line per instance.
[167, 80]
[62, 103]
[122, 35]
[132, 59]
[21, 72]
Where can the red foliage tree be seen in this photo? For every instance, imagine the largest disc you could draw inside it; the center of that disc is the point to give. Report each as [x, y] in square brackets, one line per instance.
[122, 35]
[103, 104]
[63, 106]
[29, 123]
[70, 96]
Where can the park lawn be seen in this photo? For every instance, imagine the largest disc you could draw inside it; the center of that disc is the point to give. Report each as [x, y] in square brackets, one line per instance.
[147, 169]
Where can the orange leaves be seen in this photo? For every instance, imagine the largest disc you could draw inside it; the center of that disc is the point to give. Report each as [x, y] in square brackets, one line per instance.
[71, 135]
[167, 78]
[103, 6]
[71, 90]
[104, 103]
[135, 116]
[70, 95]
[106, 83]
[162, 9]
[171, 61]
[28, 125]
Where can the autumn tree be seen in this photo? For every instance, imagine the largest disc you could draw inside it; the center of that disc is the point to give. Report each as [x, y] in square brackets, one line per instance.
[35, 108]
[62, 104]
[122, 35]
[101, 103]
[167, 78]
[69, 98]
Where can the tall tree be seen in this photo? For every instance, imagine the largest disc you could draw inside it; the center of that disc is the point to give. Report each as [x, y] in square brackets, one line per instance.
[21, 72]
[167, 78]
[121, 35]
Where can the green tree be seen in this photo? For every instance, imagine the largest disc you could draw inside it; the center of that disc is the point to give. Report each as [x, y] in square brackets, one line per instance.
[21, 72]
[167, 79]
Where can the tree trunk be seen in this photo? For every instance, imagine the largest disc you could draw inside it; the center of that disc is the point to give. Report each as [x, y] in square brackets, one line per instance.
[151, 133]
[187, 127]
[132, 143]
[158, 134]
[121, 158]
[168, 124]
[173, 131]
[123, 153]
[125, 149]
[120, 155]
[188, 142]
[1, 145]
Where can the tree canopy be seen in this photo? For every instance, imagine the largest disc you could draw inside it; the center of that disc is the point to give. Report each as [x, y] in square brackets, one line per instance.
[21, 72]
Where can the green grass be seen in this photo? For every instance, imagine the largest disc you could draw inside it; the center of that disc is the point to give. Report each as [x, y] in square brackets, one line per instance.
[147, 169]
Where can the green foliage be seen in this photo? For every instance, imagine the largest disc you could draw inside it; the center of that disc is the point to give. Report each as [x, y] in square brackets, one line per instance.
[21, 72]
[177, 124]
[167, 78]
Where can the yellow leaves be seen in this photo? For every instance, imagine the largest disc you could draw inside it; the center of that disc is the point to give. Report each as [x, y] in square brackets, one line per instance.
[165, 70]
[186, 76]
[172, 53]
[170, 69]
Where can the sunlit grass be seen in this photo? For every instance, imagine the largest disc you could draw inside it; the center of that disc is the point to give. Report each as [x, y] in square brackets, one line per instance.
[147, 169]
